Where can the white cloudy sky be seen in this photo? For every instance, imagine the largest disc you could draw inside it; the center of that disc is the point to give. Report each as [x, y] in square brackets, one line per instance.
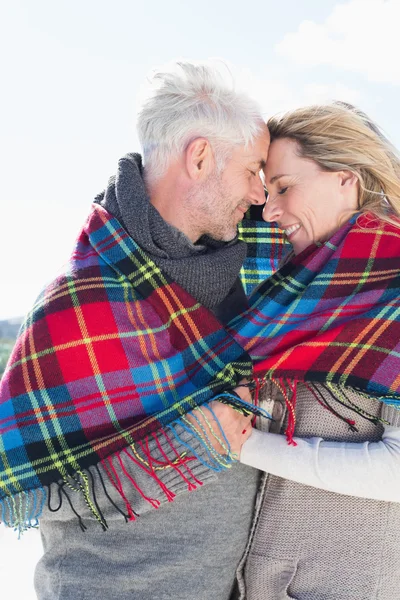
[71, 71]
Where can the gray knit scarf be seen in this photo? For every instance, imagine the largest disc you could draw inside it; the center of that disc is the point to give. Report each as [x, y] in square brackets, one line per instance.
[208, 270]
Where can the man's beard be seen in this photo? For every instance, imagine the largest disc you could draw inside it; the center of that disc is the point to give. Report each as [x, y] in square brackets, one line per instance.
[211, 211]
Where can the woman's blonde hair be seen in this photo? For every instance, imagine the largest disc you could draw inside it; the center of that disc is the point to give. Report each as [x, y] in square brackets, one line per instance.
[340, 137]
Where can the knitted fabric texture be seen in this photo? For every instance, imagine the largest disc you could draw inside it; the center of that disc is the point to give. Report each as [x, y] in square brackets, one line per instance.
[316, 544]
[207, 270]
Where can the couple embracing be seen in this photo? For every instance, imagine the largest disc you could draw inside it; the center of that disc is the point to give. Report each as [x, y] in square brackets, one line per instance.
[150, 368]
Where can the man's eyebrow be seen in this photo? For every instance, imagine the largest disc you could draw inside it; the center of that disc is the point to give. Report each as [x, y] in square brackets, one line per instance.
[260, 163]
[276, 177]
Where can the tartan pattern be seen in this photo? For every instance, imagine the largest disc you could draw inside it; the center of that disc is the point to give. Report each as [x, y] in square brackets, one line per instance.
[266, 244]
[332, 314]
[112, 351]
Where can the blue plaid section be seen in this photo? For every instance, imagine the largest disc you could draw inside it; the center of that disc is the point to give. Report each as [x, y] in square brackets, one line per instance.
[266, 245]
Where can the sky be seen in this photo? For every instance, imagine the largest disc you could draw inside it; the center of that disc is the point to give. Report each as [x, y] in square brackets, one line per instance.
[72, 72]
[72, 78]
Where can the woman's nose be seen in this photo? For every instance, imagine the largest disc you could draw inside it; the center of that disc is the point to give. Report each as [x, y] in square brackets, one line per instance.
[271, 211]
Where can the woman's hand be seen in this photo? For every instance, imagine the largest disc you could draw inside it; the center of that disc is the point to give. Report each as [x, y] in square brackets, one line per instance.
[235, 426]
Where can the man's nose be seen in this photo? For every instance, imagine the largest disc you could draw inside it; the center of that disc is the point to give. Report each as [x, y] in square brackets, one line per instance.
[257, 191]
[271, 211]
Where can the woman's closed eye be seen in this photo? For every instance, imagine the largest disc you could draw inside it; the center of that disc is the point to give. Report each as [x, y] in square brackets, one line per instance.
[283, 190]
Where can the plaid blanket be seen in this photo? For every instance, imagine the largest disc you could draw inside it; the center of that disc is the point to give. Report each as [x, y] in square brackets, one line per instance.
[112, 351]
[331, 315]
[266, 245]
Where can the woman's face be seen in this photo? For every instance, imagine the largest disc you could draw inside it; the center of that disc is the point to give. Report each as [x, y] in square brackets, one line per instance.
[309, 204]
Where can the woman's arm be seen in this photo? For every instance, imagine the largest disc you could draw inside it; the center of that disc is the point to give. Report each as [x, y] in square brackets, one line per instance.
[366, 470]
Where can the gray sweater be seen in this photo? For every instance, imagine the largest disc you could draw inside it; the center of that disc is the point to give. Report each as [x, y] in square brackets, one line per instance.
[310, 544]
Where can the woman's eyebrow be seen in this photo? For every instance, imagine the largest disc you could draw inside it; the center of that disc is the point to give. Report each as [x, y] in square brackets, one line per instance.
[276, 177]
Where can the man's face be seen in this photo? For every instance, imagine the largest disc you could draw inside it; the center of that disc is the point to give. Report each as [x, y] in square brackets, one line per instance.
[223, 199]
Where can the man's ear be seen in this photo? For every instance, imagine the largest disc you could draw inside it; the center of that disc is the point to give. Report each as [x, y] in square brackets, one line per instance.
[199, 159]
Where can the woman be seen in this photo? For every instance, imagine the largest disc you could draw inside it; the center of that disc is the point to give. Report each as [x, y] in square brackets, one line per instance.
[328, 517]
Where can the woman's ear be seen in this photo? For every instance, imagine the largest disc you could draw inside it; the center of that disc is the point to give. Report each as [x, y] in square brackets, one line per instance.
[199, 159]
[349, 189]
[348, 179]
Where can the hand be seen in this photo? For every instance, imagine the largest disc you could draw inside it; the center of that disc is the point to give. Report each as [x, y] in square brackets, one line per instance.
[243, 391]
[235, 426]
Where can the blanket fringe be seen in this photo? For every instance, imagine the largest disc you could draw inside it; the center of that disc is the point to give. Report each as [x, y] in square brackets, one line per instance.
[288, 390]
[325, 404]
[22, 511]
[169, 458]
[339, 394]
[154, 455]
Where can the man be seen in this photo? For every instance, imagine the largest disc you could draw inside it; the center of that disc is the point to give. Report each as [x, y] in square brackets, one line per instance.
[203, 148]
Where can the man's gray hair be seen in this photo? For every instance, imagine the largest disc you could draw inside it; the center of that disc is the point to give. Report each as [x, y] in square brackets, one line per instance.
[194, 101]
